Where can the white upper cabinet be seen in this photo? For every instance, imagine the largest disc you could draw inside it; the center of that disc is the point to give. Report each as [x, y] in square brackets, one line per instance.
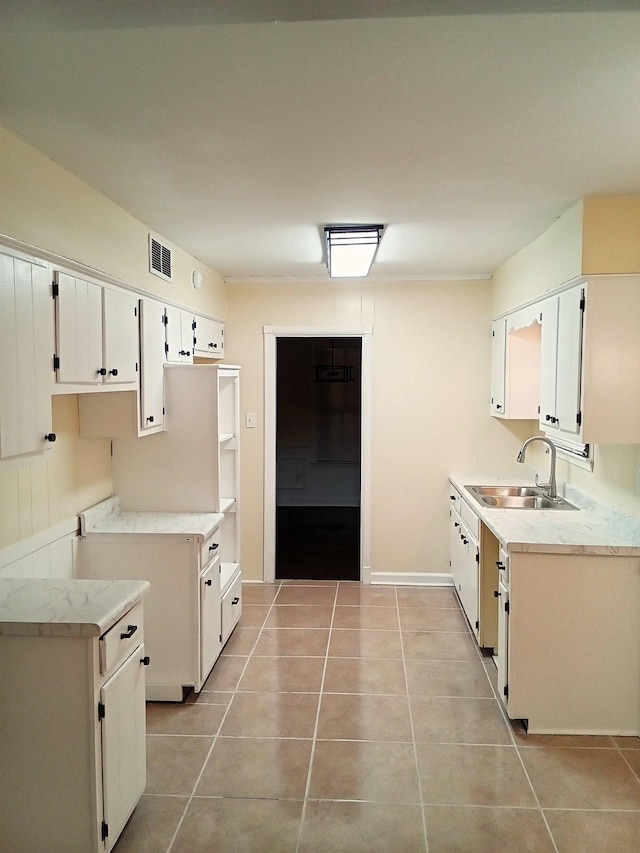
[152, 349]
[179, 335]
[96, 333]
[561, 363]
[26, 347]
[498, 366]
[515, 365]
[208, 337]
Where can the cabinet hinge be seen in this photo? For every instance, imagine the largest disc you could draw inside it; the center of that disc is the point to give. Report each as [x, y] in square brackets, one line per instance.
[55, 289]
[101, 711]
[56, 363]
[493, 334]
[166, 348]
[477, 624]
[220, 637]
[538, 409]
[165, 319]
[583, 301]
[506, 607]
[104, 831]
[136, 366]
[193, 325]
[477, 557]
[135, 311]
[163, 411]
[506, 691]
[579, 418]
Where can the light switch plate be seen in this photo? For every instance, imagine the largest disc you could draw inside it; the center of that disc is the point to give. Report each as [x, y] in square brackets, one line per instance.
[250, 420]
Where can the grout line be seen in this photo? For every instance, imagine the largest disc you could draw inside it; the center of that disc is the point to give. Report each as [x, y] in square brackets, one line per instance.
[413, 733]
[315, 728]
[217, 734]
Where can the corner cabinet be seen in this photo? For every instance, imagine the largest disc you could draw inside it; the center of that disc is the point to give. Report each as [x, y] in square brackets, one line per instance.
[26, 349]
[72, 730]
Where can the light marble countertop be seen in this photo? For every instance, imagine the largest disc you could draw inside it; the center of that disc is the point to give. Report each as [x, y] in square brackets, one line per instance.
[595, 528]
[65, 607]
[106, 517]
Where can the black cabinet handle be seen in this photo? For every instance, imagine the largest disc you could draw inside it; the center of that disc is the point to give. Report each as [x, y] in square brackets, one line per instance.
[101, 371]
[150, 419]
[114, 372]
[208, 583]
[236, 600]
[500, 565]
[188, 352]
[214, 546]
[145, 661]
[50, 436]
[131, 629]
[496, 593]
[498, 406]
[453, 497]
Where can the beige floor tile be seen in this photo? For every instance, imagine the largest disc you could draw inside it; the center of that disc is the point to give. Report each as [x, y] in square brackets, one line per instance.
[292, 641]
[378, 772]
[316, 595]
[271, 715]
[259, 593]
[267, 768]
[447, 678]
[581, 778]
[342, 827]
[432, 619]
[486, 830]
[364, 675]
[152, 825]
[438, 645]
[353, 643]
[458, 720]
[175, 718]
[333, 584]
[253, 615]
[595, 831]
[283, 674]
[174, 763]
[522, 738]
[299, 616]
[413, 596]
[384, 618]
[370, 595]
[381, 718]
[632, 757]
[239, 826]
[226, 673]
[627, 742]
[241, 642]
[454, 774]
[210, 697]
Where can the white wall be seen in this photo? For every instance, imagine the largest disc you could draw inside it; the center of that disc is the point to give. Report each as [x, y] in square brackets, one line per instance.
[431, 355]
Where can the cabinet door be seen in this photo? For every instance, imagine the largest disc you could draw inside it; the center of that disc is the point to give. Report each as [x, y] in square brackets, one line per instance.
[502, 652]
[120, 312]
[123, 744]
[26, 347]
[569, 366]
[209, 337]
[498, 366]
[78, 331]
[210, 619]
[152, 341]
[179, 335]
[548, 362]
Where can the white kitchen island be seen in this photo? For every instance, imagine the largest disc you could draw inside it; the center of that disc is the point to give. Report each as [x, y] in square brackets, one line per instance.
[566, 613]
[72, 712]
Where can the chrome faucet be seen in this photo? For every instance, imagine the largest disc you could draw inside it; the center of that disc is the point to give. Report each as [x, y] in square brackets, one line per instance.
[551, 485]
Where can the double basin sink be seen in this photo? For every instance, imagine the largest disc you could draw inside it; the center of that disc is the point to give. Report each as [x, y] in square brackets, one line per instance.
[517, 497]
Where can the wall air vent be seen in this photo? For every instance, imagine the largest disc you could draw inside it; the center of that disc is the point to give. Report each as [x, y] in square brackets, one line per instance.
[159, 259]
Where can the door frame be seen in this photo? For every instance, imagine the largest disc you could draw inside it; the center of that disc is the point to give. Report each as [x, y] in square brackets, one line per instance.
[271, 335]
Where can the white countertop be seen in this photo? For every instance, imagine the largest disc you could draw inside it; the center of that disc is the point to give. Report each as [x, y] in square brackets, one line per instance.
[106, 517]
[595, 528]
[65, 607]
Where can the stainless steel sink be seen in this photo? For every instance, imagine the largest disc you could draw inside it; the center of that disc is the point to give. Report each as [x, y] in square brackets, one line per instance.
[517, 497]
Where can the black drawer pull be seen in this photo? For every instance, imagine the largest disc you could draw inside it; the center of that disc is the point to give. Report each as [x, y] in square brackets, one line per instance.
[101, 371]
[50, 436]
[114, 372]
[131, 629]
[145, 661]
[214, 546]
[208, 583]
[500, 565]
[235, 600]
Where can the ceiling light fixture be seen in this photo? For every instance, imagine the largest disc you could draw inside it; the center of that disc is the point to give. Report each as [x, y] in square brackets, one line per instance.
[351, 249]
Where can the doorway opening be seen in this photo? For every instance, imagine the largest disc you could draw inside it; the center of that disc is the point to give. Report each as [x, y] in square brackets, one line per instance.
[318, 458]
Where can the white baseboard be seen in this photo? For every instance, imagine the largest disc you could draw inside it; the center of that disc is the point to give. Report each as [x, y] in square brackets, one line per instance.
[411, 578]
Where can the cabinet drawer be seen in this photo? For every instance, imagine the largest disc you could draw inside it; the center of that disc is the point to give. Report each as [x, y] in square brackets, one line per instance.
[210, 548]
[454, 498]
[231, 607]
[470, 519]
[120, 640]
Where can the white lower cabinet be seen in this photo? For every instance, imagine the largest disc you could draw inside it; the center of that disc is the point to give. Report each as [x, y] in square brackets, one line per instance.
[72, 737]
[210, 618]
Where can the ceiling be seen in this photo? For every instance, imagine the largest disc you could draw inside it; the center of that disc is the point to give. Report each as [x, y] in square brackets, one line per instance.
[237, 130]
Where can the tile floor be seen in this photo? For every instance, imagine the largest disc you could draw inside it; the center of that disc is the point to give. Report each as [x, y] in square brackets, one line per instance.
[350, 718]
